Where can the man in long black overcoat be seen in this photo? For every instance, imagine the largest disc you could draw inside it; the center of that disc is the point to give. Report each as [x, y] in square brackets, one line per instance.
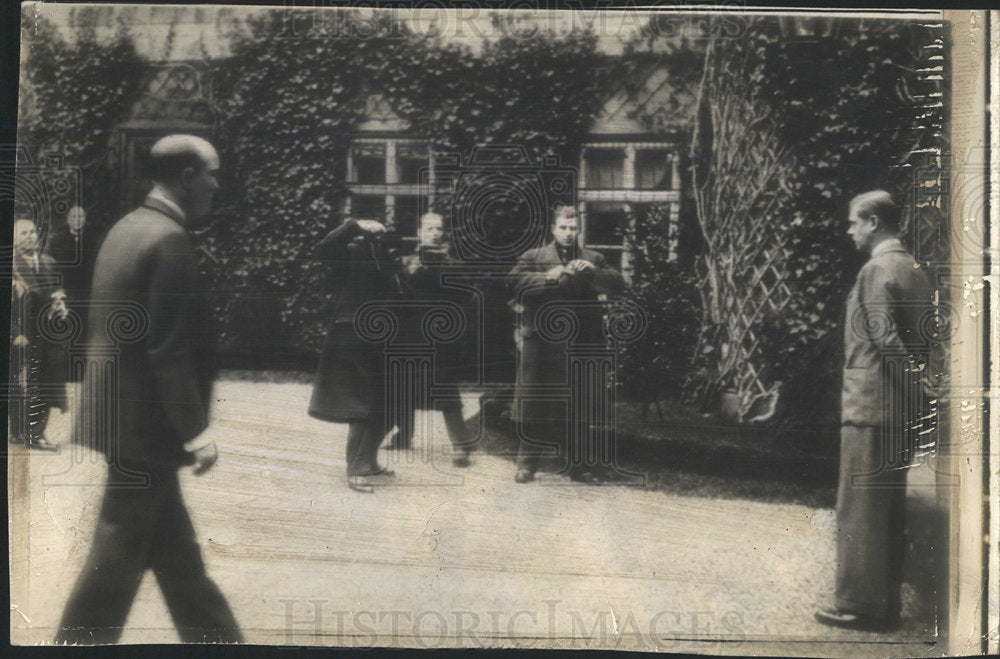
[561, 283]
[350, 379]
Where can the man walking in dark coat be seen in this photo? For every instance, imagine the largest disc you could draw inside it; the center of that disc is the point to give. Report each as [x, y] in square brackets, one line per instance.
[148, 304]
[885, 311]
[561, 277]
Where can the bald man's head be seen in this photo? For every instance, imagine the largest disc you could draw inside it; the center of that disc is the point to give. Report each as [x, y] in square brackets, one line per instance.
[171, 155]
[186, 166]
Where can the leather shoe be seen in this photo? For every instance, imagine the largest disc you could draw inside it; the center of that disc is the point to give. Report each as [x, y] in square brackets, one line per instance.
[524, 476]
[847, 620]
[461, 460]
[42, 444]
[366, 482]
[378, 471]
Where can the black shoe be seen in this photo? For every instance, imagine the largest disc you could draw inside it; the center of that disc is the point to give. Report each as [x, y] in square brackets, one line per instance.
[42, 444]
[366, 482]
[584, 476]
[461, 460]
[847, 620]
[524, 476]
[378, 471]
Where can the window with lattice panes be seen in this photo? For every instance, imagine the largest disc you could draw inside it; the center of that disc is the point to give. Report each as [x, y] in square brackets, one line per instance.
[605, 224]
[605, 168]
[406, 213]
[368, 164]
[653, 170]
[387, 182]
[412, 163]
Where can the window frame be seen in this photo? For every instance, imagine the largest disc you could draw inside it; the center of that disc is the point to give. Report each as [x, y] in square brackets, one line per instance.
[629, 194]
[392, 188]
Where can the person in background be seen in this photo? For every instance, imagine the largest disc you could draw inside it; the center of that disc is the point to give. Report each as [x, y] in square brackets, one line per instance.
[422, 277]
[349, 386]
[74, 248]
[38, 366]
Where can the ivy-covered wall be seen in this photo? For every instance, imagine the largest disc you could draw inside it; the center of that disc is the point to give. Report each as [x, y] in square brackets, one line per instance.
[72, 97]
[287, 106]
[857, 106]
[285, 157]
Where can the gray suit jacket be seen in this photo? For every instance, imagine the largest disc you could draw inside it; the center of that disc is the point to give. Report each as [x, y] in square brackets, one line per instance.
[149, 311]
[887, 321]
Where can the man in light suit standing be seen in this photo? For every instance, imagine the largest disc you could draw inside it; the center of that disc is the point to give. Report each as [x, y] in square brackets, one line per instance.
[890, 302]
[146, 271]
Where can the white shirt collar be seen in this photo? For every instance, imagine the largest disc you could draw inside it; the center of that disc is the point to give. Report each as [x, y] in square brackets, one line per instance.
[163, 196]
[885, 246]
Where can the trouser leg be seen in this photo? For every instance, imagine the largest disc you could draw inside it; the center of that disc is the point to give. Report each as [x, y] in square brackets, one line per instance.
[869, 526]
[363, 440]
[454, 422]
[199, 610]
[406, 420]
[357, 430]
[375, 433]
[538, 436]
[542, 425]
[103, 594]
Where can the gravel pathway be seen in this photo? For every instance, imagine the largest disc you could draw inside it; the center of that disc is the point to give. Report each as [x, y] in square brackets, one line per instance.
[449, 557]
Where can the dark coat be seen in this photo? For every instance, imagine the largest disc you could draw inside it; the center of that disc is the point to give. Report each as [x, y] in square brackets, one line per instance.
[37, 362]
[427, 295]
[43, 363]
[543, 356]
[350, 379]
[75, 256]
[887, 321]
[148, 304]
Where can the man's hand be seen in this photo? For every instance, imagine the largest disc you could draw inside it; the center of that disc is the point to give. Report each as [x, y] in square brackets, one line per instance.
[555, 272]
[580, 265]
[59, 309]
[371, 227]
[413, 266]
[204, 458]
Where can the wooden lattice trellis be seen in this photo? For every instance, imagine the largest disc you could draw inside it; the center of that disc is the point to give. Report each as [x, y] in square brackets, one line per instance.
[740, 181]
